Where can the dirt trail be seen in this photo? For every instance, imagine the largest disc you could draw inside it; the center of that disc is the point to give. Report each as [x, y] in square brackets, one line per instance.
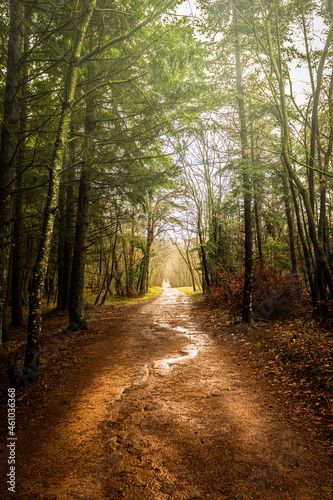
[161, 411]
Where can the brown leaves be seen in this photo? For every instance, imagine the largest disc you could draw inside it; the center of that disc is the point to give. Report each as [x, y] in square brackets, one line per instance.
[296, 359]
[274, 295]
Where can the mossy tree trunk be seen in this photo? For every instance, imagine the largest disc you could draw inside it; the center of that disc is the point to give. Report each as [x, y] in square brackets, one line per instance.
[32, 357]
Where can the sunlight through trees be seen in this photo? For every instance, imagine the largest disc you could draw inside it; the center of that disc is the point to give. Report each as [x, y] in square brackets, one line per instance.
[161, 141]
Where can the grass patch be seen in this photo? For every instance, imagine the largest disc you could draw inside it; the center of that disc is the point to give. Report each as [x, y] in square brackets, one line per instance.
[189, 290]
[124, 301]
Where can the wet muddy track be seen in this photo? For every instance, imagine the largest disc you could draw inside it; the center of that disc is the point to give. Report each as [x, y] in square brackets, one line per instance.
[164, 412]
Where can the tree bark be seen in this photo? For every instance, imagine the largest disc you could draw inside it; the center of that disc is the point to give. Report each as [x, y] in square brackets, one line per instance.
[306, 251]
[17, 260]
[256, 204]
[61, 242]
[290, 221]
[31, 364]
[247, 314]
[205, 272]
[77, 318]
[69, 237]
[5, 329]
[150, 239]
[314, 118]
[131, 258]
[258, 230]
[9, 141]
[123, 242]
[109, 281]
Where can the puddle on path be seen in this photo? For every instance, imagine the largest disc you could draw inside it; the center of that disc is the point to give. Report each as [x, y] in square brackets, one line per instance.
[162, 366]
[178, 334]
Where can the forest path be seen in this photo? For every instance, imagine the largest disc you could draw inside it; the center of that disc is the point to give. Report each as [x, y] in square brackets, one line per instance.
[161, 411]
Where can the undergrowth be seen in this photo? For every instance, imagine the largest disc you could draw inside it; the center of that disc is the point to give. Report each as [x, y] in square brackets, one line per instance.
[275, 295]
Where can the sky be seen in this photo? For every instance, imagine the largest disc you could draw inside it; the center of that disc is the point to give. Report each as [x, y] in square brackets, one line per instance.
[187, 8]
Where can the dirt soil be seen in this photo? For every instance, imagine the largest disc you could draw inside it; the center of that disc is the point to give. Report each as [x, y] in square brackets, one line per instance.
[153, 406]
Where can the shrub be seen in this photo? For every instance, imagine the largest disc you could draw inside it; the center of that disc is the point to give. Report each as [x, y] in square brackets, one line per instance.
[274, 294]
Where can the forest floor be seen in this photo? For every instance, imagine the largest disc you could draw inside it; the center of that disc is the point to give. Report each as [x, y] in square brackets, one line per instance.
[167, 400]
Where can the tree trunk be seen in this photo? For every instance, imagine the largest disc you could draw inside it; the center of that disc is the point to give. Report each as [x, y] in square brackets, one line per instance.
[101, 288]
[290, 221]
[150, 239]
[322, 232]
[61, 242]
[247, 314]
[123, 241]
[9, 141]
[131, 258]
[256, 204]
[320, 256]
[314, 118]
[69, 237]
[31, 364]
[307, 254]
[17, 302]
[189, 265]
[17, 260]
[77, 317]
[28, 266]
[258, 230]
[205, 272]
[5, 329]
[109, 281]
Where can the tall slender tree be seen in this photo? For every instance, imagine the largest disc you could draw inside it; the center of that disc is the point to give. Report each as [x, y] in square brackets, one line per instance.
[10, 140]
[247, 313]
